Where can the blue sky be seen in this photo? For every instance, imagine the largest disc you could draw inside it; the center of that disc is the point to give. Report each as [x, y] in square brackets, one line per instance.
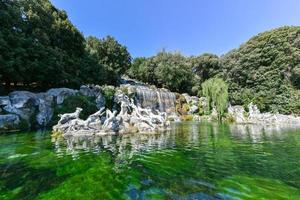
[192, 27]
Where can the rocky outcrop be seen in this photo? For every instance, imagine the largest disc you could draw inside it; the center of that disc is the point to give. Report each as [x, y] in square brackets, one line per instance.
[254, 116]
[93, 91]
[237, 113]
[33, 108]
[193, 103]
[22, 103]
[130, 118]
[135, 107]
[60, 94]
[4, 101]
[45, 109]
[150, 97]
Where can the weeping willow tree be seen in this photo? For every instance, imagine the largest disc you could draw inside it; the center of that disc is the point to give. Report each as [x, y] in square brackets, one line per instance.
[216, 92]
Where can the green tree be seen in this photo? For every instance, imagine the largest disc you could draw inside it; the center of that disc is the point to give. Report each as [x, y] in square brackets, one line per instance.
[216, 92]
[206, 66]
[110, 54]
[173, 71]
[295, 78]
[266, 67]
[39, 45]
[170, 70]
[135, 70]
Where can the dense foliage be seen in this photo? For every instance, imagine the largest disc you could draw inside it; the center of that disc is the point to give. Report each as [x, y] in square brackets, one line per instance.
[265, 70]
[170, 70]
[36, 42]
[216, 92]
[206, 66]
[111, 55]
[40, 48]
[71, 103]
[108, 94]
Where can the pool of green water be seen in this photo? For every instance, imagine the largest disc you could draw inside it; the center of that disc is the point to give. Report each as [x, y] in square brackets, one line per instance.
[192, 161]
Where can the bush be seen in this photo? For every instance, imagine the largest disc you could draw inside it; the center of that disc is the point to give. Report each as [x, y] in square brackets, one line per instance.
[108, 92]
[71, 103]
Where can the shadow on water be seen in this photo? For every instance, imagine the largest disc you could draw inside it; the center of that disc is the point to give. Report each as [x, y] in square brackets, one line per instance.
[192, 161]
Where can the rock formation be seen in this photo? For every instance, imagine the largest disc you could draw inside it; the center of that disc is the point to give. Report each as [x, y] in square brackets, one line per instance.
[254, 116]
[130, 118]
[136, 107]
[28, 106]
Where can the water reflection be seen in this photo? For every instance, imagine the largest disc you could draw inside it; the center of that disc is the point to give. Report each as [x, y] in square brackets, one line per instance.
[257, 132]
[122, 146]
[190, 134]
[191, 161]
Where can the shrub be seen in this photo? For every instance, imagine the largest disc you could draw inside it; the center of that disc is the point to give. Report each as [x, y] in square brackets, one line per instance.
[108, 92]
[88, 105]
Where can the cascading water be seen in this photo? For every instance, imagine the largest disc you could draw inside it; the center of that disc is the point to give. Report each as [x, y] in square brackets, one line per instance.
[157, 99]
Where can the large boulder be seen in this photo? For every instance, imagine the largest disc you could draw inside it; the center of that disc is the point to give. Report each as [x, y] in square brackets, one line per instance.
[22, 103]
[193, 103]
[9, 121]
[60, 94]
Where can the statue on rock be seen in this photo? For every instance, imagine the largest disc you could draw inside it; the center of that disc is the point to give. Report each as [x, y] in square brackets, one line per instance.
[130, 118]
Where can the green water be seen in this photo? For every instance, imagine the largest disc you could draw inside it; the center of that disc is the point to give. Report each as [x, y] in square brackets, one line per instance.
[193, 161]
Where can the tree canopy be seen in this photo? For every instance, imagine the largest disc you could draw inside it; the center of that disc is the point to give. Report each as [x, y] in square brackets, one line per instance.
[265, 70]
[216, 92]
[166, 69]
[40, 47]
[110, 54]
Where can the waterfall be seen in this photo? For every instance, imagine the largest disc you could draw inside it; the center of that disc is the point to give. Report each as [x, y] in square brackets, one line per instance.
[157, 99]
